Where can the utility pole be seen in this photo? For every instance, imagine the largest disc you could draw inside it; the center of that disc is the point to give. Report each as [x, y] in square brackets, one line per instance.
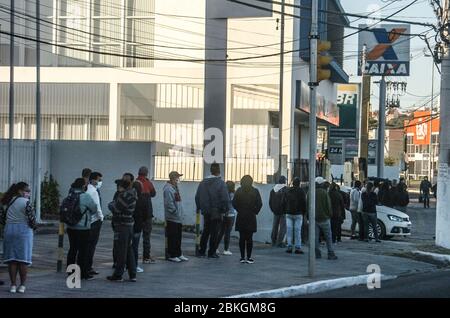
[430, 165]
[281, 99]
[11, 96]
[364, 123]
[38, 167]
[314, 37]
[381, 128]
[443, 198]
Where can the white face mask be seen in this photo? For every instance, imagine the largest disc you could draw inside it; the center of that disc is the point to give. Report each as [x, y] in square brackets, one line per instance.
[99, 184]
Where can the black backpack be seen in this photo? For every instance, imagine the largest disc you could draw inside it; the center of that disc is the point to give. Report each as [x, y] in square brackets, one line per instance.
[70, 211]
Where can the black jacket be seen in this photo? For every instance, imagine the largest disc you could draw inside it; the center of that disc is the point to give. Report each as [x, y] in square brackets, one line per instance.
[277, 200]
[247, 202]
[295, 201]
[337, 205]
[370, 202]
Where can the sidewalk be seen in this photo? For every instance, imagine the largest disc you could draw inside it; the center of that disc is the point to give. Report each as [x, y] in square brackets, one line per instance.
[224, 277]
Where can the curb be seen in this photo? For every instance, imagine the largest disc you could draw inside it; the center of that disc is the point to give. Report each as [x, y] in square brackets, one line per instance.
[312, 288]
[435, 256]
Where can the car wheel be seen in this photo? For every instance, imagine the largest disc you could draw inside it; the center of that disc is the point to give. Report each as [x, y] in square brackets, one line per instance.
[381, 231]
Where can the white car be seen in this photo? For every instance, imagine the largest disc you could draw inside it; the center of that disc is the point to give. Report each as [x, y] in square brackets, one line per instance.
[391, 222]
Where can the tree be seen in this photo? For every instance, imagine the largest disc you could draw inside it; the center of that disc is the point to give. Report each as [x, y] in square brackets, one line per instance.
[389, 161]
[49, 197]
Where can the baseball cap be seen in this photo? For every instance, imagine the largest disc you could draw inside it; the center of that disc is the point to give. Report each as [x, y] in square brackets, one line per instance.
[174, 174]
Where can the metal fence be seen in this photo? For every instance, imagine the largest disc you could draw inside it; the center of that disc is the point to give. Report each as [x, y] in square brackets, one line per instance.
[260, 168]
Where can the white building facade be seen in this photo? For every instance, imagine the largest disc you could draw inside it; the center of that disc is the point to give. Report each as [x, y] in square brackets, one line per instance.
[133, 70]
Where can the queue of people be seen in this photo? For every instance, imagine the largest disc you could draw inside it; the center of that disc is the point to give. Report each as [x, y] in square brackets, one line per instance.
[222, 206]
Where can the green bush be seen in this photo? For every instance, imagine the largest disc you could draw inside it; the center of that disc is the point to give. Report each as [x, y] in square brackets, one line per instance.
[49, 198]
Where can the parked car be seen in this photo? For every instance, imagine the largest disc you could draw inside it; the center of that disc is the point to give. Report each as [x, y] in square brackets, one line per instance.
[391, 222]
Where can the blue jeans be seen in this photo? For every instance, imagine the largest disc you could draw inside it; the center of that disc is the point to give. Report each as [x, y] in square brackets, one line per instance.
[326, 230]
[294, 230]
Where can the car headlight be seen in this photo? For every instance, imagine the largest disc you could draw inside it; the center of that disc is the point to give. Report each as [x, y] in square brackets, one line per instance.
[395, 218]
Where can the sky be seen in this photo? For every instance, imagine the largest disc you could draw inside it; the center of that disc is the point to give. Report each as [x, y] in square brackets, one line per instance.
[420, 79]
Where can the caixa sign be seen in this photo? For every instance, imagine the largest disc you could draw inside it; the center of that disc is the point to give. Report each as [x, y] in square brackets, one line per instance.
[387, 69]
[387, 50]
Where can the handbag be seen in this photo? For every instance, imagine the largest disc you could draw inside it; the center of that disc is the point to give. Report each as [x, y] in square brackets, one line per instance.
[420, 198]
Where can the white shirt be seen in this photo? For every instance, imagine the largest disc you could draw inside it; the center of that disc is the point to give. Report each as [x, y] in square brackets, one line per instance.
[92, 191]
[355, 195]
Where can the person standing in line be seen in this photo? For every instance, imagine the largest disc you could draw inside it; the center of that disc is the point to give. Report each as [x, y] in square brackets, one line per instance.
[295, 211]
[338, 212]
[145, 208]
[122, 209]
[323, 215]
[355, 195]
[213, 201]
[369, 202]
[247, 202]
[95, 183]
[228, 222]
[79, 233]
[173, 213]
[19, 221]
[277, 203]
[402, 198]
[85, 174]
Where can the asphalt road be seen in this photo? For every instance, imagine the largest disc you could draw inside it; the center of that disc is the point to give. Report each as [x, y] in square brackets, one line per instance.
[428, 285]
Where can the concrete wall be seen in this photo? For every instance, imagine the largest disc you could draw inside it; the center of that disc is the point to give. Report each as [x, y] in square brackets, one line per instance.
[111, 159]
[23, 157]
[188, 190]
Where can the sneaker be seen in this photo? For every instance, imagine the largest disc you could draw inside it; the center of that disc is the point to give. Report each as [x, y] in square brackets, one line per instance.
[114, 278]
[13, 289]
[243, 261]
[133, 280]
[289, 250]
[89, 277]
[183, 258]
[174, 259]
[139, 270]
[226, 252]
[201, 255]
[353, 237]
[21, 289]
[299, 251]
[93, 272]
[282, 245]
[250, 261]
[214, 256]
[332, 257]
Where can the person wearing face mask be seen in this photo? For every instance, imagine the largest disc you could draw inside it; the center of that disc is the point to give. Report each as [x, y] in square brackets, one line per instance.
[95, 183]
[173, 212]
[144, 209]
[20, 221]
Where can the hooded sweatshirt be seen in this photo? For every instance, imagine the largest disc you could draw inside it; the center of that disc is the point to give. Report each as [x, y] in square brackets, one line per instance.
[212, 193]
[173, 210]
[277, 199]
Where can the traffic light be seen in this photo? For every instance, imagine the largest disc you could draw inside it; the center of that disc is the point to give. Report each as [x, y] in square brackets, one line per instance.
[323, 60]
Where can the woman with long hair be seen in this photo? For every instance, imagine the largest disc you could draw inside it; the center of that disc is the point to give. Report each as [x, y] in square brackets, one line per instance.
[20, 221]
[247, 202]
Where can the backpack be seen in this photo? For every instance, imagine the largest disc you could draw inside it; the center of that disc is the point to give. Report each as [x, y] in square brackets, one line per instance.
[70, 211]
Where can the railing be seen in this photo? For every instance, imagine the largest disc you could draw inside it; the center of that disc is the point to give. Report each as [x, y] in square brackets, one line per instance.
[260, 168]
